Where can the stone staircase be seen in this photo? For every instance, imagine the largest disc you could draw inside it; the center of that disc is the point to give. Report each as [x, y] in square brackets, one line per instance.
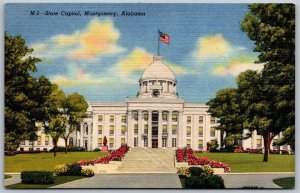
[146, 160]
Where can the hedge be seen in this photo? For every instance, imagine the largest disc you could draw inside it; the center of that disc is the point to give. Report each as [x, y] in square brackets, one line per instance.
[37, 177]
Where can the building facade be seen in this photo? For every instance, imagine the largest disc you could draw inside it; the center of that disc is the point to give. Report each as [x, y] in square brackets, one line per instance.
[156, 118]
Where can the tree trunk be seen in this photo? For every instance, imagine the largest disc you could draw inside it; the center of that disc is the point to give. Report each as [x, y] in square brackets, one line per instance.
[55, 145]
[267, 142]
[66, 145]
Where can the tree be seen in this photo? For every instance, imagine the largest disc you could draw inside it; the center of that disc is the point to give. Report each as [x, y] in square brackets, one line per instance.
[75, 108]
[226, 107]
[56, 121]
[288, 138]
[272, 28]
[25, 96]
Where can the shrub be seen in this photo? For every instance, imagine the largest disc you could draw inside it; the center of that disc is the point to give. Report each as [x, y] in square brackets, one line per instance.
[183, 171]
[205, 182]
[61, 170]
[195, 171]
[37, 177]
[96, 149]
[87, 172]
[70, 149]
[74, 169]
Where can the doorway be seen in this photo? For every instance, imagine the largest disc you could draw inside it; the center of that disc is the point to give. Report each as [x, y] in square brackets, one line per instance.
[154, 143]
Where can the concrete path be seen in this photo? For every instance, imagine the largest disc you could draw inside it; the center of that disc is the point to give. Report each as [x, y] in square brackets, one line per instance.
[240, 180]
[126, 181]
[15, 179]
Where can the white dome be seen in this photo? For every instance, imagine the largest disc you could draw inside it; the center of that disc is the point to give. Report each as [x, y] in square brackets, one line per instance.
[158, 70]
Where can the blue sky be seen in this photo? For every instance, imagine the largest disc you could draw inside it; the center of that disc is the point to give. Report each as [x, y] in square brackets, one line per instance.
[103, 57]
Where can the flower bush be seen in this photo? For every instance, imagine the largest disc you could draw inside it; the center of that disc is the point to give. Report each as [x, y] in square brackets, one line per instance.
[202, 161]
[61, 170]
[87, 172]
[183, 171]
[115, 155]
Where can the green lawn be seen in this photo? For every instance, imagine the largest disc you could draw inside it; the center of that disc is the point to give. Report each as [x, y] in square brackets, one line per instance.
[250, 162]
[45, 161]
[57, 180]
[288, 183]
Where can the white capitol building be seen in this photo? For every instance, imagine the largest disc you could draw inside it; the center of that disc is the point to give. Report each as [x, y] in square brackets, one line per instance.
[157, 118]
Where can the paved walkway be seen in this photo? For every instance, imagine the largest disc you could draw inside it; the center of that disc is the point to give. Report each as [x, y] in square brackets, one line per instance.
[15, 178]
[240, 180]
[126, 181]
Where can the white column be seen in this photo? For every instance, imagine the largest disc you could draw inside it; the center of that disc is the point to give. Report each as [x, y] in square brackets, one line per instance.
[141, 129]
[149, 129]
[159, 128]
[169, 141]
[89, 136]
[180, 133]
[130, 136]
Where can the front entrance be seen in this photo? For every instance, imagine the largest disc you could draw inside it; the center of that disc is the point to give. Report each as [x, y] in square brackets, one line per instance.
[154, 143]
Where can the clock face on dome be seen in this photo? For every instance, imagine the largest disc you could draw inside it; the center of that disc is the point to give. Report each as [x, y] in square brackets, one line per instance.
[155, 93]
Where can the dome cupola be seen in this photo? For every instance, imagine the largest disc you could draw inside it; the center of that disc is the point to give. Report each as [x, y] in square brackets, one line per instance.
[158, 80]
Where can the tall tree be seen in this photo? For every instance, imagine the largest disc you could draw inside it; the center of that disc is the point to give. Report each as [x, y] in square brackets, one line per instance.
[226, 107]
[75, 109]
[56, 121]
[25, 96]
[272, 28]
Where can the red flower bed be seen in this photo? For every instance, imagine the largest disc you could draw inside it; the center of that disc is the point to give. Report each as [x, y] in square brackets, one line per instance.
[253, 150]
[239, 150]
[115, 155]
[202, 161]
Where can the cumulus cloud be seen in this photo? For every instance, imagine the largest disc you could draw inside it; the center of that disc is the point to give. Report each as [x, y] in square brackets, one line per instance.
[236, 66]
[98, 38]
[212, 46]
[138, 60]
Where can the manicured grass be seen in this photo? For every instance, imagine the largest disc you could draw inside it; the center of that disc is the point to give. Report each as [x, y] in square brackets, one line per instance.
[7, 176]
[45, 161]
[250, 162]
[288, 183]
[57, 180]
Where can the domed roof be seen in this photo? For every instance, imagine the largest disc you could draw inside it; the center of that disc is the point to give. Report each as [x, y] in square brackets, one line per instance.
[158, 70]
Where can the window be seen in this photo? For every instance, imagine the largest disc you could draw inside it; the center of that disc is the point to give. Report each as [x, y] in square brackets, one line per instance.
[38, 149]
[174, 117]
[123, 118]
[212, 132]
[100, 118]
[188, 131]
[200, 144]
[100, 142]
[85, 126]
[100, 129]
[164, 142]
[111, 118]
[200, 119]
[111, 130]
[39, 140]
[135, 116]
[189, 119]
[71, 141]
[136, 129]
[200, 133]
[45, 149]
[146, 116]
[47, 140]
[165, 130]
[135, 142]
[174, 142]
[146, 129]
[145, 142]
[123, 129]
[174, 129]
[22, 142]
[188, 142]
[21, 149]
[212, 120]
[111, 142]
[30, 142]
[258, 143]
[123, 142]
[165, 116]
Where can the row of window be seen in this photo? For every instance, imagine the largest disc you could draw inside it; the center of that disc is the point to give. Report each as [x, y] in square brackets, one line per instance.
[110, 142]
[164, 118]
[39, 141]
[200, 131]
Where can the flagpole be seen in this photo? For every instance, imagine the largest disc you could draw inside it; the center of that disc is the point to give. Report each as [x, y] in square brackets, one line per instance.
[158, 44]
